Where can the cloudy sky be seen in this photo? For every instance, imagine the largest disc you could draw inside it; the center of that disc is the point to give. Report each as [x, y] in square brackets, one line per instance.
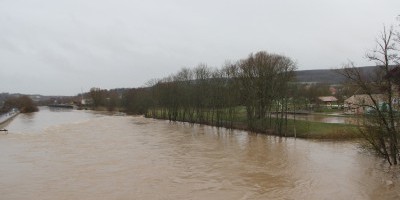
[60, 47]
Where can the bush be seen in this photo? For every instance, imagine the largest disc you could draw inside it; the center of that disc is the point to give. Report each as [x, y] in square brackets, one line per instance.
[23, 103]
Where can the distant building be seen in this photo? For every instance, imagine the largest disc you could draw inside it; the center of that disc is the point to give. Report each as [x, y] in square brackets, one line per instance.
[332, 90]
[328, 100]
[35, 98]
[361, 103]
[87, 102]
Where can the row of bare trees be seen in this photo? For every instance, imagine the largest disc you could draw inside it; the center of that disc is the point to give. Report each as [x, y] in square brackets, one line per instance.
[109, 99]
[257, 85]
[199, 95]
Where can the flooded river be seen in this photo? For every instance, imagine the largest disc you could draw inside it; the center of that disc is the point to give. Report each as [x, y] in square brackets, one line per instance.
[87, 155]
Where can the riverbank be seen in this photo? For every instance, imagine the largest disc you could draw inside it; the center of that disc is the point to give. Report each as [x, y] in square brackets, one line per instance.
[307, 129]
[293, 128]
[8, 116]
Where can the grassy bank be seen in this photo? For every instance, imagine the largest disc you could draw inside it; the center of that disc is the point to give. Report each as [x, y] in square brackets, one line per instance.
[320, 130]
[291, 128]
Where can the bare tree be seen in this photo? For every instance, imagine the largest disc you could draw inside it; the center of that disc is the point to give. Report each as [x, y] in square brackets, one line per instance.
[380, 127]
[264, 79]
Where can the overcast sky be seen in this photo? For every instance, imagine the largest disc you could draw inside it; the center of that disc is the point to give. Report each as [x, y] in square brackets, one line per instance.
[60, 47]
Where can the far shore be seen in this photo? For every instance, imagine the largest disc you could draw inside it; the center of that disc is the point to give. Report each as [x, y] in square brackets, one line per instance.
[296, 128]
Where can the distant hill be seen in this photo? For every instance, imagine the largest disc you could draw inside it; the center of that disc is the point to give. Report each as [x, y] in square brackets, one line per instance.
[327, 76]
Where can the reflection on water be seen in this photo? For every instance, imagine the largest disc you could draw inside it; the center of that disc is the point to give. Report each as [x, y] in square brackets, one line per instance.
[327, 119]
[81, 155]
[37, 122]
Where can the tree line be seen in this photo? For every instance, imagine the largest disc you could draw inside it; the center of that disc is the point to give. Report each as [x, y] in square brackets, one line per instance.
[259, 86]
[23, 103]
[255, 93]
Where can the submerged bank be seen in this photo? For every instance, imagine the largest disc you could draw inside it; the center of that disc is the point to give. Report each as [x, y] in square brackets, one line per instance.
[299, 128]
[293, 128]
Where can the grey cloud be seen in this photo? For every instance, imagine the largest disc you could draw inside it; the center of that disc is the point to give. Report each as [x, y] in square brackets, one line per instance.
[61, 46]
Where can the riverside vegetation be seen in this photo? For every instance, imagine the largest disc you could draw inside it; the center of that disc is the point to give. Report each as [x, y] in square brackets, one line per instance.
[257, 93]
[23, 103]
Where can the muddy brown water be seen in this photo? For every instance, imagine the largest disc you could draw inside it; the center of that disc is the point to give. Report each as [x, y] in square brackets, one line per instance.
[86, 155]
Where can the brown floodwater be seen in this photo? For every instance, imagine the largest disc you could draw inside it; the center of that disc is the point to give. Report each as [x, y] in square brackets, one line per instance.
[56, 154]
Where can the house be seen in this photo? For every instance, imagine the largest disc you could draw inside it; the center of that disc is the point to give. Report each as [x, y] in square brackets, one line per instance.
[328, 100]
[360, 103]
